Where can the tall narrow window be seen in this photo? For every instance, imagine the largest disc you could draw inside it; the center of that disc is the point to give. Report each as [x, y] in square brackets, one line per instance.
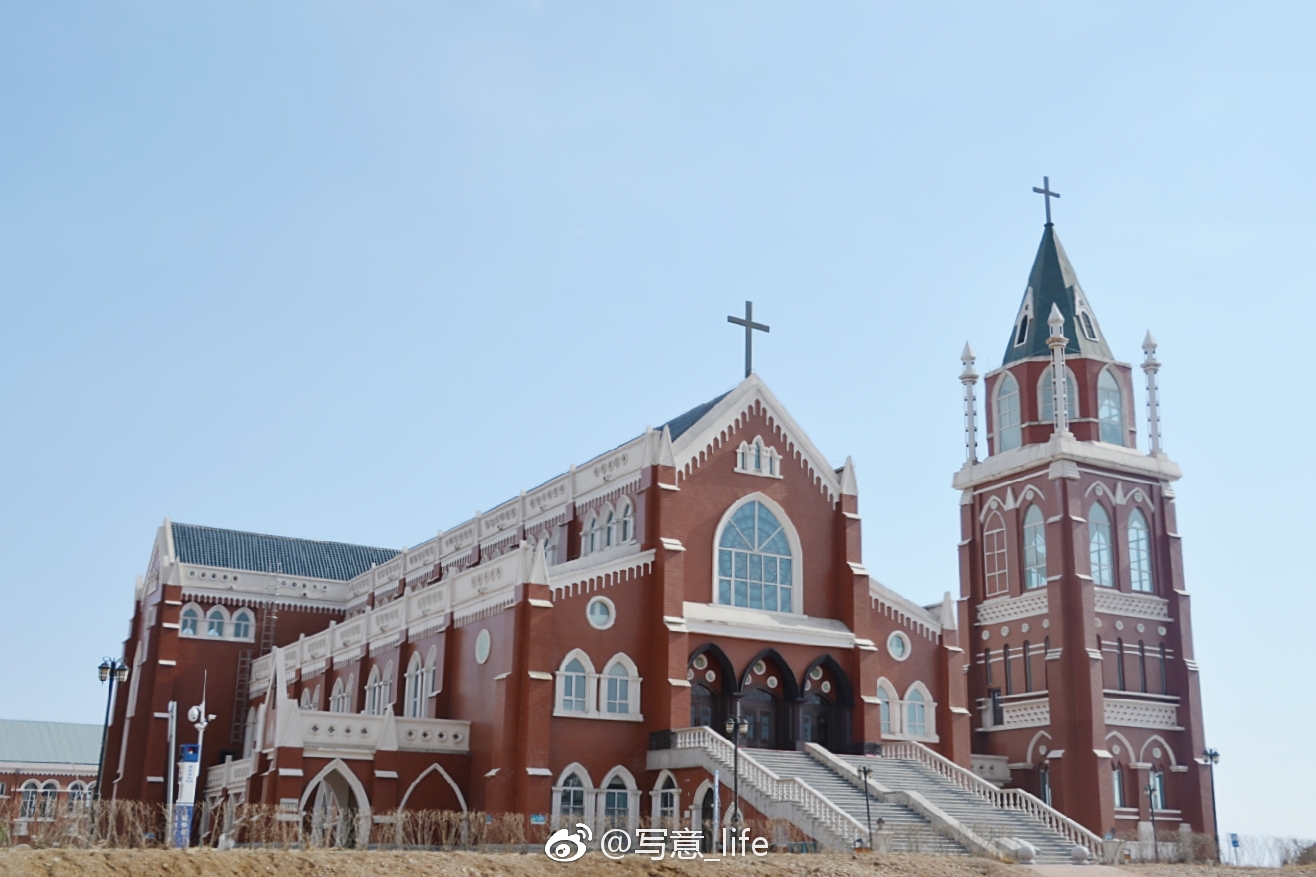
[755, 567]
[1034, 548]
[1009, 674]
[1142, 667]
[668, 799]
[27, 807]
[1099, 542]
[916, 710]
[994, 557]
[215, 622]
[610, 531]
[627, 522]
[1119, 666]
[573, 687]
[1158, 790]
[1140, 565]
[1165, 676]
[987, 664]
[242, 624]
[1044, 780]
[1046, 397]
[1028, 666]
[884, 708]
[1110, 408]
[1117, 784]
[1046, 650]
[1008, 431]
[592, 539]
[189, 623]
[415, 688]
[49, 795]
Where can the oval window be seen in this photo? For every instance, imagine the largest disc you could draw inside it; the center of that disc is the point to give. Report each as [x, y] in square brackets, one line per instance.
[483, 643]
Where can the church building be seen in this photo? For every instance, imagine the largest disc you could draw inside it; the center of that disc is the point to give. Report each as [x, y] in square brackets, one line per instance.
[575, 653]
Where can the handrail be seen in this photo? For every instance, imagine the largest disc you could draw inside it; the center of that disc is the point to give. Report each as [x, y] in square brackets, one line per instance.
[791, 790]
[1006, 799]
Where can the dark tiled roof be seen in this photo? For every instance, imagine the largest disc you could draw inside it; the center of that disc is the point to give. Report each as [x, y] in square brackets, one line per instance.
[49, 742]
[680, 424]
[1053, 281]
[234, 549]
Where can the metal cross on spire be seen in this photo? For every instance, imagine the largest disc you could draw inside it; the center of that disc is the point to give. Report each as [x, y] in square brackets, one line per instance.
[750, 326]
[1047, 195]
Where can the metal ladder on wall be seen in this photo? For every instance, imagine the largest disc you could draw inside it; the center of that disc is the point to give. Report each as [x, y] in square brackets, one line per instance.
[269, 618]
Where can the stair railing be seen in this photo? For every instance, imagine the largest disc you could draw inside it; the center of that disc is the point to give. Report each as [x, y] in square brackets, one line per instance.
[1005, 799]
[793, 790]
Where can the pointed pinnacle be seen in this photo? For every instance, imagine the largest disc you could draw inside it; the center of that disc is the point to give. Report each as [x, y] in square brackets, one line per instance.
[968, 355]
[1055, 319]
[1149, 343]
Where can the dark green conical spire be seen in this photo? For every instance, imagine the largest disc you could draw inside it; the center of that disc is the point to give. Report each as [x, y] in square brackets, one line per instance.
[1052, 281]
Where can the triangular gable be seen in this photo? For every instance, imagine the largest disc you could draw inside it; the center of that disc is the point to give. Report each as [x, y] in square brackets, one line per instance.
[727, 416]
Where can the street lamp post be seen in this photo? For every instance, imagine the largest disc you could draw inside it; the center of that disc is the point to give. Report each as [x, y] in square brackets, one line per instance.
[864, 772]
[111, 670]
[1151, 799]
[1211, 757]
[736, 726]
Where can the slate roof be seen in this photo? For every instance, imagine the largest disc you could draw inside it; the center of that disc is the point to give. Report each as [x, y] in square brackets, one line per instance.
[680, 424]
[1053, 281]
[49, 742]
[233, 549]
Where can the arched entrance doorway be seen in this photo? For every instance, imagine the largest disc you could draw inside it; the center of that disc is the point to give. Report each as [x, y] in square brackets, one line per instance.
[768, 694]
[712, 682]
[335, 812]
[826, 705]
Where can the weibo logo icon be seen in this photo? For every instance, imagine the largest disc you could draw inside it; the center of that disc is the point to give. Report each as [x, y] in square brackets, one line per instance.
[566, 846]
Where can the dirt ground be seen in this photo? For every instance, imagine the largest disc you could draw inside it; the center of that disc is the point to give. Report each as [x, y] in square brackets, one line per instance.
[247, 863]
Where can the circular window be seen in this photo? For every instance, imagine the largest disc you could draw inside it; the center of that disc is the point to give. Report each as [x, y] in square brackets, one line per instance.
[898, 645]
[760, 668]
[601, 613]
[816, 673]
[701, 661]
[483, 643]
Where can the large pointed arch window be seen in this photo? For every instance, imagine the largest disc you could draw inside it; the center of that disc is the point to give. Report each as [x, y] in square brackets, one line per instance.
[1140, 565]
[1110, 408]
[1099, 546]
[1008, 432]
[755, 563]
[1046, 395]
[1034, 548]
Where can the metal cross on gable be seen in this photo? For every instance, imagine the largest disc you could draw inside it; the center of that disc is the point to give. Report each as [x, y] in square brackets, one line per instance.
[750, 326]
[1047, 195]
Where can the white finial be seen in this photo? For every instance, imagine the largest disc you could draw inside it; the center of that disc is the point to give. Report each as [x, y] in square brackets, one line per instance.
[1059, 386]
[968, 378]
[1150, 366]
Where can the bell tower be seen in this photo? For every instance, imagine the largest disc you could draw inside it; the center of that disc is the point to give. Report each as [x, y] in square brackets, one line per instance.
[1081, 675]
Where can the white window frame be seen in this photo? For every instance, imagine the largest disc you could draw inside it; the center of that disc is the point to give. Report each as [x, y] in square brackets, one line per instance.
[1142, 579]
[995, 547]
[250, 618]
[999, 428]
[632, 792]
[632, 680]
[1096, 564]
[223, 622]
[792, 539]
[433, 684]
[758, 457]
[1034, 572]
[894, 723]
[1046, 397]
[1103, 421]
[413, 704]
[591, 686]
[182, 620]
[612, 613]
[627, 521]
[587, 802]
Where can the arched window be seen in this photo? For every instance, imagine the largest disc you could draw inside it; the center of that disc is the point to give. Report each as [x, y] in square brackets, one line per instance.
[1117, 784]
[242, 624]
[1110, 408]
[755, 565]
[27, 805]
[374, 693]
[215, 622]
[1034, 548]
[336, 698]
[415, 689]
[191, 618]
[1158, 790]
[592, 537]
[49, 799]
[627, 522]
[1046, 399]
[618, 694]
[1140, 564]
[994, 557]
[315, 698]
[669, 798]
[610, 531]
[1099, 546]
[571, 804]
[916, 721]
[78, 796]
[573, 692]
[885, 698]
[305, 700]
[432, 672]
[1008, 433]
[616, 803]
[386, 689]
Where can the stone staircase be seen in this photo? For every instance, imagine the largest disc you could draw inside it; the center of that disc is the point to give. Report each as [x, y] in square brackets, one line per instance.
[902, 829]
[927, 803]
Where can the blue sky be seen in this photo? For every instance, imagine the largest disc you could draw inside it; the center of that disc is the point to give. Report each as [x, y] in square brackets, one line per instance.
[353, 271]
